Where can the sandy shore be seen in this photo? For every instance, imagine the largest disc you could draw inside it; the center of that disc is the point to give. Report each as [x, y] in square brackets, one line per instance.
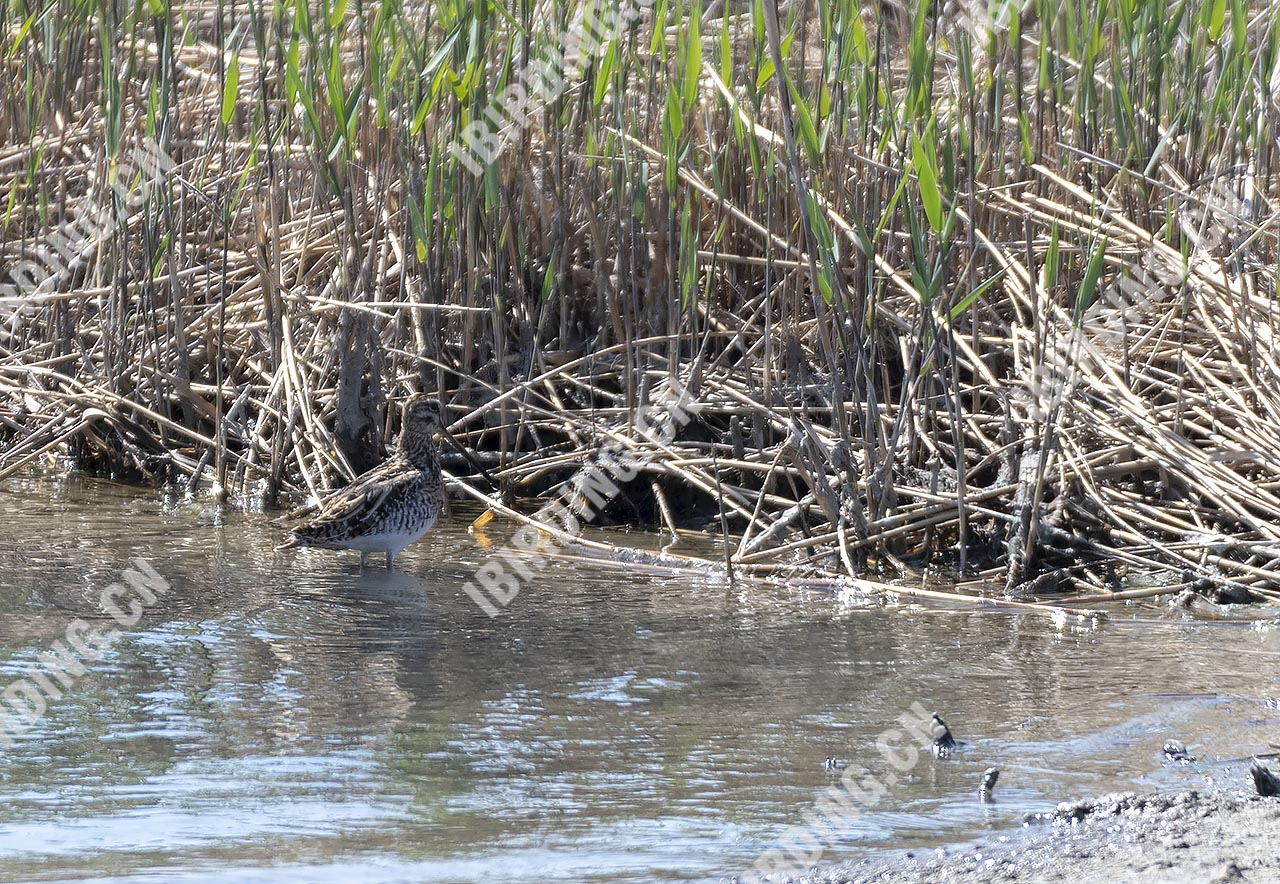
[1125, 837]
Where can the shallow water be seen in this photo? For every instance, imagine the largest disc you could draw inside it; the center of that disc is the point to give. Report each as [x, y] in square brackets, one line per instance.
[284, 717]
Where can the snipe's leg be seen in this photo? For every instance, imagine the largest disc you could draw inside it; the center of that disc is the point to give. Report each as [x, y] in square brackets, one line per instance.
[391, 560]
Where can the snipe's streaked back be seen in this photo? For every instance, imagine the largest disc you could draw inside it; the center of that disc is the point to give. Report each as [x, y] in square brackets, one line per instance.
[389, 507]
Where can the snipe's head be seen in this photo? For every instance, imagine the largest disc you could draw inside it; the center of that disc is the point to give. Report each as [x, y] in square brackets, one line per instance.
[421, 416]
[419, 421]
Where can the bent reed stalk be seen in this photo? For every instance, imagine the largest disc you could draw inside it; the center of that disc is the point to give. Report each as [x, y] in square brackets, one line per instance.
[990, 288]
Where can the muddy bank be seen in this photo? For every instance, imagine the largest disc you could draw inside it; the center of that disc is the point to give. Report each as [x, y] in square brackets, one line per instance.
[1124, 837]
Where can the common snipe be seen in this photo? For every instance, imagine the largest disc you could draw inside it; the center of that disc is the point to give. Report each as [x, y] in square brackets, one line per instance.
[389, 507]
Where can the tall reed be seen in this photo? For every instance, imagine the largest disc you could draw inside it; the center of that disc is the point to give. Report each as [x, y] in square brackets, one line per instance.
[992, 284]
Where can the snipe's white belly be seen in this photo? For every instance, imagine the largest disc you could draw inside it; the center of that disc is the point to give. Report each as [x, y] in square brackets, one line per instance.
[385, 541]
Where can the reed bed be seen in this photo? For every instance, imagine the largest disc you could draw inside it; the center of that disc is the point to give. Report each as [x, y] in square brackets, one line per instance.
[985, 291]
